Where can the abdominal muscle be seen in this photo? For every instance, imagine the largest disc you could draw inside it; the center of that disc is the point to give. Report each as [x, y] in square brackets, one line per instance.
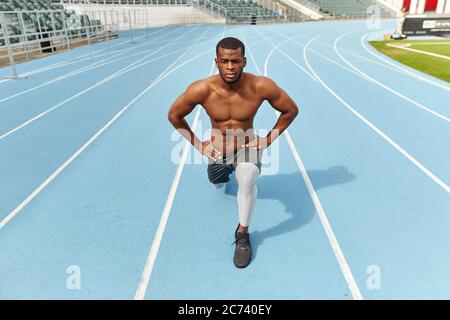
[229, 140]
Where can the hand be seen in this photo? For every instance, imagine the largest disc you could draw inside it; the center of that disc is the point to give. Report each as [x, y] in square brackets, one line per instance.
[206, 148]
[257, 143]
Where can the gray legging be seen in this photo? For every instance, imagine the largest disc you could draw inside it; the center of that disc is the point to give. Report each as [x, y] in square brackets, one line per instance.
[247, 165]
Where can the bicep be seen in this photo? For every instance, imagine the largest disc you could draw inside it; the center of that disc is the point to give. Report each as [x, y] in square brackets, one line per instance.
[182, 106]
[278, 98]
[187, 101]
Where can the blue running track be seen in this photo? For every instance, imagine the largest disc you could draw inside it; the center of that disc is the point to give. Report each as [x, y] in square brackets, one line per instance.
[353, 201]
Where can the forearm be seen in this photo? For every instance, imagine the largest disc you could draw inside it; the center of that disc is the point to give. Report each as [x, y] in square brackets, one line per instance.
[185, 130]
[284, 120]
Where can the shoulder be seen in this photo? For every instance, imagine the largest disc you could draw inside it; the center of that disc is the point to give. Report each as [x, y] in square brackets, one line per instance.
[265, 85]
[199, 89]
[262, 81]
[199, 86]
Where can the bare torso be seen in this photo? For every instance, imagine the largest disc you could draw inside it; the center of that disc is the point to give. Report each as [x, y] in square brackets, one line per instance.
[232, 106]
[232, 112]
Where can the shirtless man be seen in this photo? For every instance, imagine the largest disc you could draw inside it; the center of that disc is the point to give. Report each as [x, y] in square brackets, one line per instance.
[231, 100]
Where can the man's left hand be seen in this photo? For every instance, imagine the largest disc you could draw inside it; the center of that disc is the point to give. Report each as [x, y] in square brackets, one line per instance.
[259, 143]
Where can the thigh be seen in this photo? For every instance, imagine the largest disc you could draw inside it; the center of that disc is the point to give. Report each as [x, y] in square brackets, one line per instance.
[251, 155]
[219, 172]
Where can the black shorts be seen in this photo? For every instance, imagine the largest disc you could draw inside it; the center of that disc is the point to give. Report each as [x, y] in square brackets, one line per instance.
[219, 171]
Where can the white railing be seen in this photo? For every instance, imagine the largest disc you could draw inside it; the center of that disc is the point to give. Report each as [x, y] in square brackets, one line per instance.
[210, 8]
[273, 6]
[26, 35]
[30, 34]
[292, 11]
[134, 18]
[309, 4]
[331, 13]
[130, 2]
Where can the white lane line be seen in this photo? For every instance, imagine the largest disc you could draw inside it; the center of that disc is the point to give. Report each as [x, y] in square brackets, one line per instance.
[90, 53]
[345, 269]
[96, 85]
[151, 258]
[412, 74]
[287, 56]
[383, 85]
[142, 64]
[111, 76]
[186, 51]
[149, 265]
[78, 58]
[387, 64]
[73, 73]
[40, 115]
[418, 51]
[129, 40]
[419, 165]
[38, 190]
[345, 51]
[90, 67]
[323, 57]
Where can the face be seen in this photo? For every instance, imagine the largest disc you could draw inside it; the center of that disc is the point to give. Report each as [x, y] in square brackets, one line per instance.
[231, 64]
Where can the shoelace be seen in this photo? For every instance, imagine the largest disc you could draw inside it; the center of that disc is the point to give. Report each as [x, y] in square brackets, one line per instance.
[241, 236]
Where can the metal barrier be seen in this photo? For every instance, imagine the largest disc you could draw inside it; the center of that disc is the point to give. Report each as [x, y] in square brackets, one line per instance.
[26, 35]
[309, 4]
[286, 11]
[331, 15]
[128, 19]
[273, 6]
[130, 2]
[208, 7]
[30, 34]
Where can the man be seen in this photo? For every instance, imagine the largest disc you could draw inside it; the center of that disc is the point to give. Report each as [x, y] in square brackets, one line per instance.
[401, 16]
[231, 100]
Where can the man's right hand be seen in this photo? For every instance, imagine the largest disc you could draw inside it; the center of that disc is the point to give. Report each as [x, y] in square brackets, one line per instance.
[206, 148]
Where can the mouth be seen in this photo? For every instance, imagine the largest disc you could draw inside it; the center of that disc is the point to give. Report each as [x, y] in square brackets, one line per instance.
[230, 75]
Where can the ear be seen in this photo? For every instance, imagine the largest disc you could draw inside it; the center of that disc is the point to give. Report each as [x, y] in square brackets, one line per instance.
[245, 61]
[217, 62]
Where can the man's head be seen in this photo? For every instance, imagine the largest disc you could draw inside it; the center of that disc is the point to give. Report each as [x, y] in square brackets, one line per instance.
[230, 59]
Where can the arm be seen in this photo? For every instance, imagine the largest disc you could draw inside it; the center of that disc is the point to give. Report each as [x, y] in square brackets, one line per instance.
[195, 94]
[183, 106]
[281, 102]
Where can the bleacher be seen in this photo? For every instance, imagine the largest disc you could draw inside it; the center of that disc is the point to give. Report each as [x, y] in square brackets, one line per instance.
[347, 8]
[33, 21]
[237, 9]
[291, 12]
[243, 10]
[125, 2]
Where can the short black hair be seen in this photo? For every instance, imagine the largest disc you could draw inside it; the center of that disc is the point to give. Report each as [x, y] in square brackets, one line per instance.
[230, 43]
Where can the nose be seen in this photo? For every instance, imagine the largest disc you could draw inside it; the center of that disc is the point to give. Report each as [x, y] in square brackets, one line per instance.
[229, 65]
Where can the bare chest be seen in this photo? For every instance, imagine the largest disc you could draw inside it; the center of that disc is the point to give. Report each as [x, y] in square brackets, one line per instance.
[239, 107]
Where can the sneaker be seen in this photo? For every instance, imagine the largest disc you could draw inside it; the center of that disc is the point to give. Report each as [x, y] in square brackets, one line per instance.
[243, 250]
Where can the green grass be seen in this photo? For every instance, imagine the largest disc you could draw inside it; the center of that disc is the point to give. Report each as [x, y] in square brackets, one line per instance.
[437, 67]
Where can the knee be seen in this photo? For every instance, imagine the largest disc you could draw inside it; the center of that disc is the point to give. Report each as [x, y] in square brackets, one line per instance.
[246, 174]
[218, 185]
